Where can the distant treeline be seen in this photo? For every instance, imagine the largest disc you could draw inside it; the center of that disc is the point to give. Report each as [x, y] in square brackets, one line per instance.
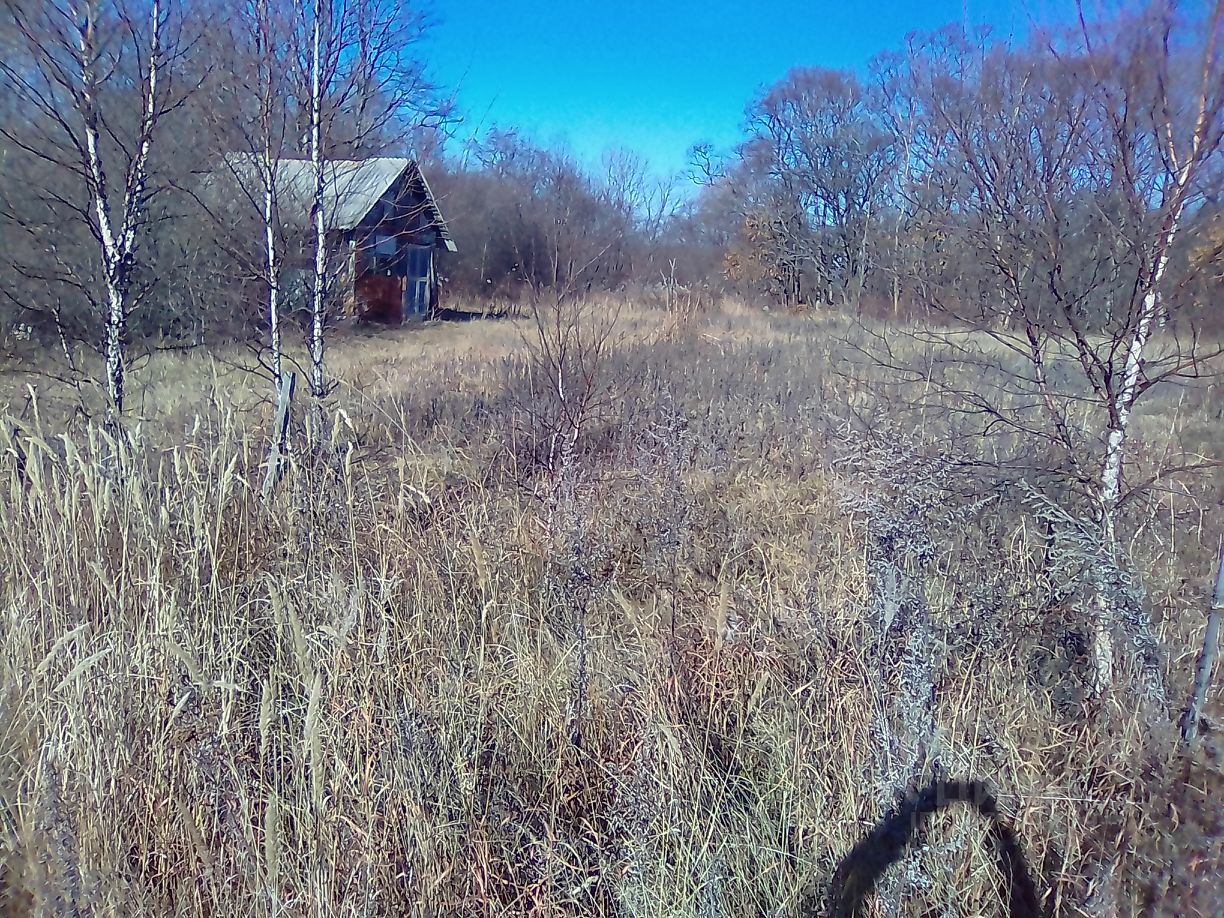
[959, 174]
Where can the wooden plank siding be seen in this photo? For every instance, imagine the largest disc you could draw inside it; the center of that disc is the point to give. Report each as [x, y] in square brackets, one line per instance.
[382, 282]
[380, 215]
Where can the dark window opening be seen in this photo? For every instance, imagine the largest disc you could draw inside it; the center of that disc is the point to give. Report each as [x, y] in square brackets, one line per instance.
[383, 253]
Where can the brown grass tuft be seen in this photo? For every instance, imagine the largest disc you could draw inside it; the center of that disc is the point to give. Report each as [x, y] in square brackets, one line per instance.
[422, 683]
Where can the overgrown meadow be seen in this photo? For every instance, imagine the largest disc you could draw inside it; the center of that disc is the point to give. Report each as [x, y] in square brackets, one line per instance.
[677, 666]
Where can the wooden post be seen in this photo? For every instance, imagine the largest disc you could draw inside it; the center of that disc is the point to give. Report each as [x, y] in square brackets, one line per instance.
[1207, 656]
[19, 454]
[280, 434]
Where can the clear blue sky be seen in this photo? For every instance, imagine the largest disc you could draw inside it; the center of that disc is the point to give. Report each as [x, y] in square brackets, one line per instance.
[657, 77]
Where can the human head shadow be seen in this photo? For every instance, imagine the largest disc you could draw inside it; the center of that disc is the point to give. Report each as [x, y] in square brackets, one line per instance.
[861, 868]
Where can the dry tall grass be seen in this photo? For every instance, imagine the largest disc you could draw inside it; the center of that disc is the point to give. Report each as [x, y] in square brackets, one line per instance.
[427, 680]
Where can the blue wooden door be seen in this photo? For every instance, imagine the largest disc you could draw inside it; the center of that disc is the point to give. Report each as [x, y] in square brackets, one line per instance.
[416, 286]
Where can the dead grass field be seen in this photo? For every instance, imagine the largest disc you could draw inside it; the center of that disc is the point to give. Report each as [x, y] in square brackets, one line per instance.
[428, 680]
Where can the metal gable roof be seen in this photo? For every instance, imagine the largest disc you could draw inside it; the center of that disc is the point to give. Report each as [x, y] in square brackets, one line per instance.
[351, 189]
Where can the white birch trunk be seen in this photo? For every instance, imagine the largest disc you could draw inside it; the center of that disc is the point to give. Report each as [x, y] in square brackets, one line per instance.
[1103, 653]
[1111, 472]
[269, 168]
[112, 268]
[1183, 166]
[273, 266]
[318, 380]
[118, 244]
[1183, 171]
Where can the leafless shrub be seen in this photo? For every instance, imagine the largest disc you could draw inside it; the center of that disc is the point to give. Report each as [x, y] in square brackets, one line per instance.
[897, 500]
[1083, 562]
[565, 388]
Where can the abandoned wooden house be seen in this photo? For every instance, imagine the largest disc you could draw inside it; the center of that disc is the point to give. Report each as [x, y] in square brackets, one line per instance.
[383, 229]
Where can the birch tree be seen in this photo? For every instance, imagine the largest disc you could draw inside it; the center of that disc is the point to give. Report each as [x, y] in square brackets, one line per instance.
[318, 298]
[269, 60]
[251, 118]
[1066, 169]
[95, 77]
[363, 91]
[1182, 138]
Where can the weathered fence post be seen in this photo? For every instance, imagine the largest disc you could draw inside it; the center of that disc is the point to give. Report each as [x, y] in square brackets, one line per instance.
[1207, 656]
[280, 434]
